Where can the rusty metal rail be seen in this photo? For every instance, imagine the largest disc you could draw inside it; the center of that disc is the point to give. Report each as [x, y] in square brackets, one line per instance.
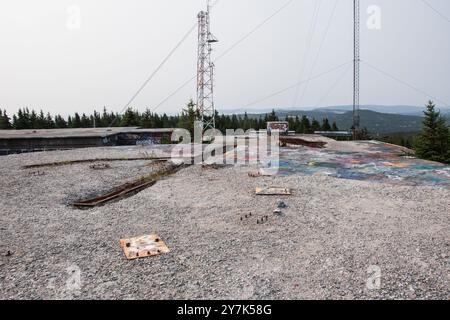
[65, 163]
[128, 189]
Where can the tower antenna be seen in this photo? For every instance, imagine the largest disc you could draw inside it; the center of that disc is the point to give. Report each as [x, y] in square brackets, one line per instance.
[356, 62]
[205, 71]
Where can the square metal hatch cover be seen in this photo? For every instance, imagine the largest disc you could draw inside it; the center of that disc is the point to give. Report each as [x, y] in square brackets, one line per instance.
[143, 246]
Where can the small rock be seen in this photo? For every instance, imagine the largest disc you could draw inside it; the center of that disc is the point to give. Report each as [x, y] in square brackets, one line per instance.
[281, 205]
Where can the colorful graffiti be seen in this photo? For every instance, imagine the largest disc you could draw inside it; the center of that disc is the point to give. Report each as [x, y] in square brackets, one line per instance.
[374, 161]
[379, 162]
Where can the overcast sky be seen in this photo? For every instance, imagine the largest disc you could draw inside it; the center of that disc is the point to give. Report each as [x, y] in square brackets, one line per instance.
[49, 59]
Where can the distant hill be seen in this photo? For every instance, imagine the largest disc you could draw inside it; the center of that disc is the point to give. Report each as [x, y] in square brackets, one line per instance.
[404, 110]
[376, 118]
[394, 109]
[375, 122]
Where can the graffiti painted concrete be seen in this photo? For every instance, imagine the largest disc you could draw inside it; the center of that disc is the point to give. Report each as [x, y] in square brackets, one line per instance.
[378, 162]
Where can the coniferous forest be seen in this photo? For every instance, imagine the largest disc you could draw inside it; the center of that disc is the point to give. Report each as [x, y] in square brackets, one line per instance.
[31, 119]
[433, 143]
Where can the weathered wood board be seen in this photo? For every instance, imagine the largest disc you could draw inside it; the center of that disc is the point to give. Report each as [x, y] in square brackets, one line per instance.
[273, 191]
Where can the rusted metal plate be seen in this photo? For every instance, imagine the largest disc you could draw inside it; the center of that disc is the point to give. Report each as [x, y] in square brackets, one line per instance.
[143, 247]
[297, 141]
[273, 191]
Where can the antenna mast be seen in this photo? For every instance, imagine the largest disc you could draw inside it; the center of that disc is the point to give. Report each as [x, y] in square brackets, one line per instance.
[356, 61]
[205, 72]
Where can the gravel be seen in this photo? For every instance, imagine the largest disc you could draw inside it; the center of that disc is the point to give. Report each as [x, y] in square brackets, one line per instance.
[335, 239]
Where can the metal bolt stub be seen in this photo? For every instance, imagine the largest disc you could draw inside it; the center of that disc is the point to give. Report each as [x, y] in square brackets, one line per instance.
[37, 173]
[262, 220]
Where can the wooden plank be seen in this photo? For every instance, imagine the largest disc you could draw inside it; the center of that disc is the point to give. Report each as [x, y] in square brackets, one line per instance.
[273, 191]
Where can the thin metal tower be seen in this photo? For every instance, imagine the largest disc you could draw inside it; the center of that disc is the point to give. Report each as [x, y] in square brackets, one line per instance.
[356, 62]
[205, 72]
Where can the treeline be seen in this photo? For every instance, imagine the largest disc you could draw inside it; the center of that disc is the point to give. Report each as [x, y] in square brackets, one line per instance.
[26, 119]
[401, 139]
[30, 119]
[433, 143]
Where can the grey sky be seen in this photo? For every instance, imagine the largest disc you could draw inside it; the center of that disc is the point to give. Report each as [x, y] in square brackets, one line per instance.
[44, 64]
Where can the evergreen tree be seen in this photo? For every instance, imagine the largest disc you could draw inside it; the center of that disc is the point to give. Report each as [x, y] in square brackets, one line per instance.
[27, 123]
[315, 126]
[297, 125]
[60, 123]
[326, 125]
[165, 121]
[305, 125]
[20, 121]
[234, 122]
[105, 119]
[96, 119]
[147, 119]
[130, 118]
[363, 134]
[157, 121]
[15, 122]
[272, 116]
[4, 121]
[188, 116]
[31, 121]
[85, 122]
[69, 122]
[49, 123]
[246, 123]
[76, 121]
[291, 122]
[434, 141]
[40, 121]
[334, 127]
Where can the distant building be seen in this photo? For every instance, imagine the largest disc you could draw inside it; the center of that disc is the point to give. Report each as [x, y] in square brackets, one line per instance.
[335, 134]
[19, 141]
[280, 127]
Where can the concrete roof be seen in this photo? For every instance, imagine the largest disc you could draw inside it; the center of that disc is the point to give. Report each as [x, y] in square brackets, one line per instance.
[74, 133]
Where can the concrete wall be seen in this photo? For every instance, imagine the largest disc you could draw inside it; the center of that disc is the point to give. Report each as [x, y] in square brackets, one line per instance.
[8, 146]
[145, 138]
[31, 144]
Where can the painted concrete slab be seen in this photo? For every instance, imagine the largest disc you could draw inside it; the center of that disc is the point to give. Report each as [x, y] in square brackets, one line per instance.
[379, 162]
